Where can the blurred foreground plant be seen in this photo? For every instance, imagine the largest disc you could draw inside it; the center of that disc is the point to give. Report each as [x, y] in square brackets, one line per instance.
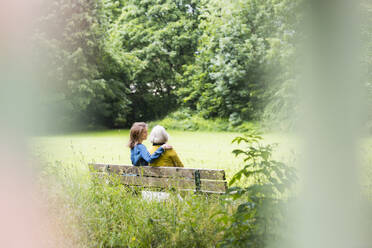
[260, 206]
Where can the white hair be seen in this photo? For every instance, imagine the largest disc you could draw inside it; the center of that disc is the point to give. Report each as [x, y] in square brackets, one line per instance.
[158, 135]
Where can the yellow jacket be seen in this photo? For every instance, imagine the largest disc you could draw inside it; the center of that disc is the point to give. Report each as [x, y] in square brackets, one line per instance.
[169, 158]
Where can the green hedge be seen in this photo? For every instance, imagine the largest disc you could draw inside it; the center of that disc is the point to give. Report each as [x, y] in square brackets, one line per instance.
[185, 120]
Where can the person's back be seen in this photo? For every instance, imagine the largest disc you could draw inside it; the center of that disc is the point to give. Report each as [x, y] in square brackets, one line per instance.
[169, 158]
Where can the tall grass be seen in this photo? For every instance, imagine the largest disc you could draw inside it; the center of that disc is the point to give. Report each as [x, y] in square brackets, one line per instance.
[100, 214]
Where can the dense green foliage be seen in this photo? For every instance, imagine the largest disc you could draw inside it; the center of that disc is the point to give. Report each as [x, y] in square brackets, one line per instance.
[234, 53]
[79, 77]
[153, 40]
[111, 63]
[114, 62]
[186, 120]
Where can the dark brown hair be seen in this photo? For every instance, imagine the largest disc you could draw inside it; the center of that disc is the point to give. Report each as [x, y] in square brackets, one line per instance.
[136, 132]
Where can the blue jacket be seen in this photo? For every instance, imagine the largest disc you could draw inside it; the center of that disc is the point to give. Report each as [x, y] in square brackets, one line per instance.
[141, 157]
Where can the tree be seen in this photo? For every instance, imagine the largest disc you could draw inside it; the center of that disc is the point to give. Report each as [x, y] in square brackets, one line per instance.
[84, 86]
[153, 40]
[228, 71]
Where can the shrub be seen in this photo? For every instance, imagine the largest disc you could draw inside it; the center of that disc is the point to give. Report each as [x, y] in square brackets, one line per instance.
[260, 204]
[187, 120]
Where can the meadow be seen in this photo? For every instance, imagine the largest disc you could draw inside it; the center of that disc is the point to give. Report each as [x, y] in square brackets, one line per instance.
[196, 149]
[211, 150]
[91, 214]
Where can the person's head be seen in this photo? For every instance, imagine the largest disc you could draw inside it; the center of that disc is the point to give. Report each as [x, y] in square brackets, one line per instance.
[138, 133]
[158, 135]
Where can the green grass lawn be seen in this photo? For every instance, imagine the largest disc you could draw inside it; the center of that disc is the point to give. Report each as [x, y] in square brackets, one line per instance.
[211, 150]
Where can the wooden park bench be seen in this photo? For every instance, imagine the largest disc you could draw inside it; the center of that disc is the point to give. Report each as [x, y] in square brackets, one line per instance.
[184, 179]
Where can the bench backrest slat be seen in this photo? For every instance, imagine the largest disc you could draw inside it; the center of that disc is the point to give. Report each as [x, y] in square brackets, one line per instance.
[163, 172]
[169, 183]
[202, 180]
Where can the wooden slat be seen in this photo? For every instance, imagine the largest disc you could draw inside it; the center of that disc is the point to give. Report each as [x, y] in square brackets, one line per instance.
[163, 172]
[158, 182]
[208, 186]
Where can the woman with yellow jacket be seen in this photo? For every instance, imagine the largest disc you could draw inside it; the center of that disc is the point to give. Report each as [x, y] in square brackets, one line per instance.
[169, 158]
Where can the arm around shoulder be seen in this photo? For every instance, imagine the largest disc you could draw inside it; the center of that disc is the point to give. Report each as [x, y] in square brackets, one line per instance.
[150, 157]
